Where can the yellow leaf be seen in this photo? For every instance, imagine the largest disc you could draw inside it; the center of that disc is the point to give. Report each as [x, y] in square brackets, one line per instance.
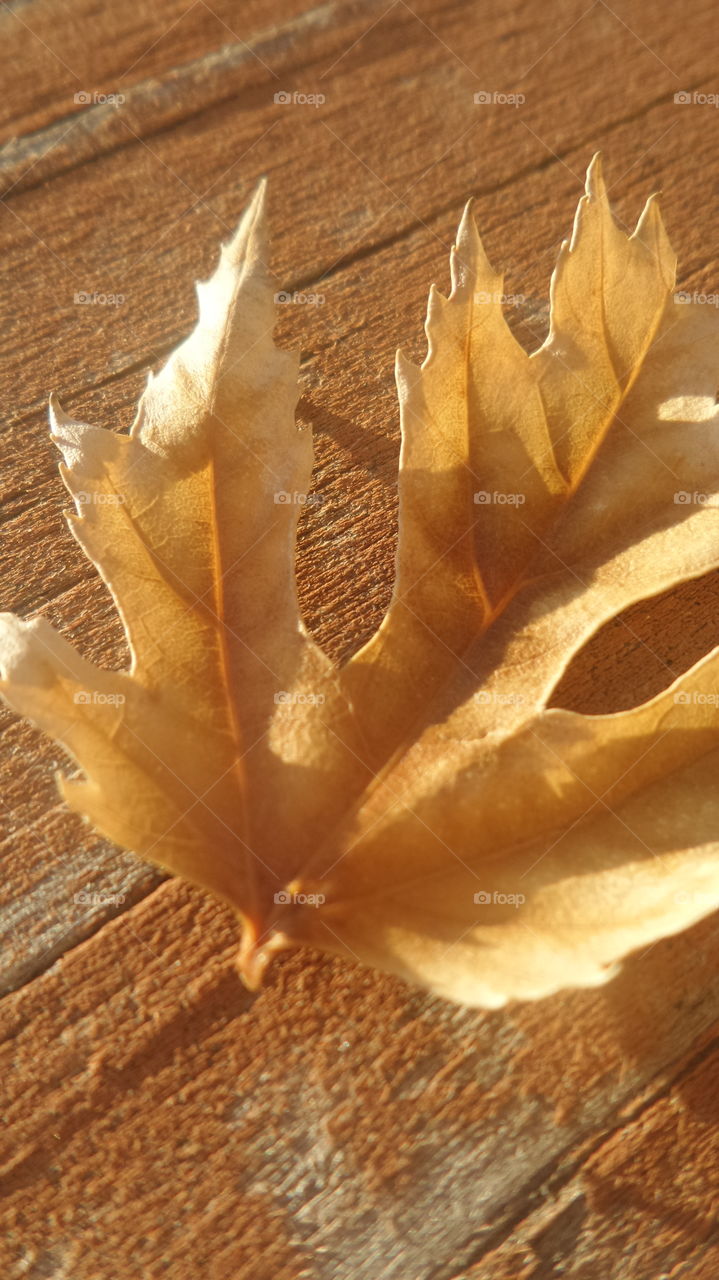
[421, 809]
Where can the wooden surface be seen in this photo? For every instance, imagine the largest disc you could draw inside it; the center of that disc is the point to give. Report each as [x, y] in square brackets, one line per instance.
[157, 1119]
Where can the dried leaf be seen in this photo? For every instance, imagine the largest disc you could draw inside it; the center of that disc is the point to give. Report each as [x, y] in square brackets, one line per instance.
[420, 809]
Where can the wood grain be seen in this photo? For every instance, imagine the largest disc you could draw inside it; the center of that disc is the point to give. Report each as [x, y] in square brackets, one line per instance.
[158, 1119]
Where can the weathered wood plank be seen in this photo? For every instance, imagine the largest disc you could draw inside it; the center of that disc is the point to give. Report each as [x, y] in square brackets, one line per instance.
[644, 1203]
[338, 1121]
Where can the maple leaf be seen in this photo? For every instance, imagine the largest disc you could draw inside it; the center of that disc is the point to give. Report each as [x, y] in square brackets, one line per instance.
[422, 808]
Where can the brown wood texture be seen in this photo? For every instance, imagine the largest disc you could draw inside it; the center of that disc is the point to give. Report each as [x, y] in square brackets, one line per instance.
[157, 1119]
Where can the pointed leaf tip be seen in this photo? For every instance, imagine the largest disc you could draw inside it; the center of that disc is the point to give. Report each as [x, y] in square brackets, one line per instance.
[467, 217]
[66, 432]
[468, 252]
[56, 413]
[595, 185]
[405, 370]
[252, 228]
[467, 233]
